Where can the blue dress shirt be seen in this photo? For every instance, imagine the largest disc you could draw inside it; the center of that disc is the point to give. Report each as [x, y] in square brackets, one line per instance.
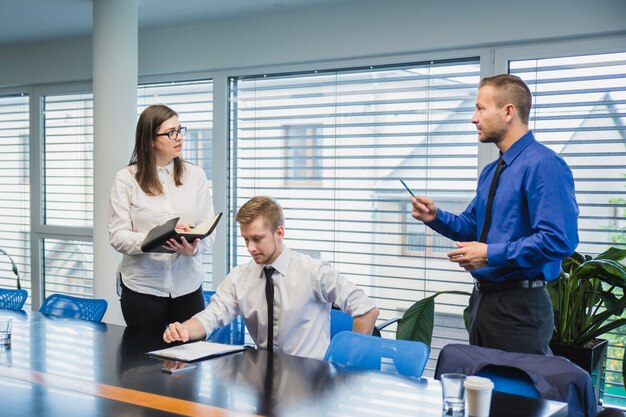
[534, 219]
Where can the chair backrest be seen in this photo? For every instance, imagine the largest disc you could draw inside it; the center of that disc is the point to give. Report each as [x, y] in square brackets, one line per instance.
[231, 334]
[405, 357]
[552, 377]
[339, 322]
[61, 305]
[12, 299]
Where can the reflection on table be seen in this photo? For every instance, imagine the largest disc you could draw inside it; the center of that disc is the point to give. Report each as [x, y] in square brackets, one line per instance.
[60, 367]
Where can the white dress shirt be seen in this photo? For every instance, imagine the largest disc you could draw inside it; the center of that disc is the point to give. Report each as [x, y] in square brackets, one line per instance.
[304, 291]
[133, 213]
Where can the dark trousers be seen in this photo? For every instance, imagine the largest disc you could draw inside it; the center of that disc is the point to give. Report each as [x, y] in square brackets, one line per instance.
[151, 313]
[514, 321]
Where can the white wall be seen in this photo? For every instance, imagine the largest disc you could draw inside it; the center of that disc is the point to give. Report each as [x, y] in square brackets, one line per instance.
[373, 28]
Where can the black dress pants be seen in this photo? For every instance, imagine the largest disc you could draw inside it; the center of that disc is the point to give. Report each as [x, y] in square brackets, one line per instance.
[518, 320]
[152, 313]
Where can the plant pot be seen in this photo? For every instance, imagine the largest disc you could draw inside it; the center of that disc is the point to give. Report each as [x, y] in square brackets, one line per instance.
[591, 359]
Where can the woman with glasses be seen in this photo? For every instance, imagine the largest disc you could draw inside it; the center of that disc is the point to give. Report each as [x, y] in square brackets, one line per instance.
[159, 288]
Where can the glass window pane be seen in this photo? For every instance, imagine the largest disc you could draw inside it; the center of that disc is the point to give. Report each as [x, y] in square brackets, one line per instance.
[15, 190]
[68, 160]
[68, 267]
[580, 111]
[330, 146]
[193, 101]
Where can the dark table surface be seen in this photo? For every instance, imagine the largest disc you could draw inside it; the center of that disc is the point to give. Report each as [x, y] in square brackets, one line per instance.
[61, 367]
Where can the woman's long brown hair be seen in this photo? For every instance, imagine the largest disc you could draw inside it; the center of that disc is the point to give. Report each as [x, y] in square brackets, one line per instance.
[144, 156]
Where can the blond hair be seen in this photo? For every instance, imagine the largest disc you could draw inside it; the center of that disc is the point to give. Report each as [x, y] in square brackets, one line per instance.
[261, 206]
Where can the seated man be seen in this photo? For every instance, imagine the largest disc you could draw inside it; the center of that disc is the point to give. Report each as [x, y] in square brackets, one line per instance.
[300, 289]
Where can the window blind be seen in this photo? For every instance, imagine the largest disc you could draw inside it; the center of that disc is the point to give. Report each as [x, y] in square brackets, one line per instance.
[68, 173]
[68, 267]
[15, 189]
[67, 184]
[579, 110]
[193, 101]
[330, 147]
[68, 160]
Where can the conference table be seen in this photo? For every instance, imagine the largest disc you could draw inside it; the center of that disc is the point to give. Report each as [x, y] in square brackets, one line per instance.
[65, 368]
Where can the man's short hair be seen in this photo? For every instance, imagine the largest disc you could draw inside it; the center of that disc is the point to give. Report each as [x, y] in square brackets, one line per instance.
[262, 206]
[511, 89]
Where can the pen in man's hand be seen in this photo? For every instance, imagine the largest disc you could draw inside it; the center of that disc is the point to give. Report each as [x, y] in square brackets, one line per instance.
[406, 186]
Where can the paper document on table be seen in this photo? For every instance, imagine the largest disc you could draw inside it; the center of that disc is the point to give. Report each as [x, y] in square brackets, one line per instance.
[190, 352]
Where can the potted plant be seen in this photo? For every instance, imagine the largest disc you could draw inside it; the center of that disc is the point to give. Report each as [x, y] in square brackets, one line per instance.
[588, 301]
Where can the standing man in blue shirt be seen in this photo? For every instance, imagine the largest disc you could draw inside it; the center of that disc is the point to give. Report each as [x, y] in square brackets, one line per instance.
[515, 232]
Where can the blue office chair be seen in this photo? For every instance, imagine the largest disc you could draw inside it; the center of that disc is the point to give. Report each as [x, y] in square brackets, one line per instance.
[231, 334]
[405, 357]
[547, 377]
[13, 299]
[61, 305]
[343, 322]
[339, 322]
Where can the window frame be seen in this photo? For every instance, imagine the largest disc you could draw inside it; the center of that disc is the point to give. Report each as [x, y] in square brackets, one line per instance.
[39, 230]
[493, 60]
[26, 91]
[340, 66]
[545, 50]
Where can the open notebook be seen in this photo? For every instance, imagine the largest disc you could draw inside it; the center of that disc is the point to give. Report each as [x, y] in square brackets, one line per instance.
[194, 351]
[158, 235]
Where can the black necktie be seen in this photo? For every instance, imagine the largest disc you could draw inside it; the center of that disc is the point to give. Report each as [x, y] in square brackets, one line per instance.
[269, 296]
[267, 405]
[492, 193]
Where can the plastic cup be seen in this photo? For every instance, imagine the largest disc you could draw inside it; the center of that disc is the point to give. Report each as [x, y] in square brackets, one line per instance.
[453, 394]
[5, 331]
[478, 391]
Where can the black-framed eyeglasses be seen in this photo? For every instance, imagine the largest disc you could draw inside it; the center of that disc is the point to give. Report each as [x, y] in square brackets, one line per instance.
[173, 134]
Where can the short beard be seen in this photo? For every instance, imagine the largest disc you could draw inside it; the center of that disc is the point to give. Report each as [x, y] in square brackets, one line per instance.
[495, 136]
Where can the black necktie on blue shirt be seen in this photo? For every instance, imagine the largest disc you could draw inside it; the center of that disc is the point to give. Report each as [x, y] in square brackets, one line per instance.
[269, 296]
[489, 207]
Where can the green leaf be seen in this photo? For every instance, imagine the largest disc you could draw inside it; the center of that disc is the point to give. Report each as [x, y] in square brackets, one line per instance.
[595, 333]
[612, 303]
[584, 297]
[570, 263]
[613, 253]
[418, 321]
[466, 318]
[607, 270]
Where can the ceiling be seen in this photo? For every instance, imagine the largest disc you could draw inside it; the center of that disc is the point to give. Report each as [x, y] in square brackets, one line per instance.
[32, 21]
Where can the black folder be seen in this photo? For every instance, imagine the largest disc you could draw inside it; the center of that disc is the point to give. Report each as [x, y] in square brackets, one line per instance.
[159, 235]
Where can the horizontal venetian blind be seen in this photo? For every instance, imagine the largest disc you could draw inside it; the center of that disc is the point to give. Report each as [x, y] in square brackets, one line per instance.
[15, 190]
[68, 160]
[68, 267]
[579, 110]
[67, 183]
[193, 101]
[330, 146]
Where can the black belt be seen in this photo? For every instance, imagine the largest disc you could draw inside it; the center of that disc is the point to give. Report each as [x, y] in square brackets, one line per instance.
[517, 284]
